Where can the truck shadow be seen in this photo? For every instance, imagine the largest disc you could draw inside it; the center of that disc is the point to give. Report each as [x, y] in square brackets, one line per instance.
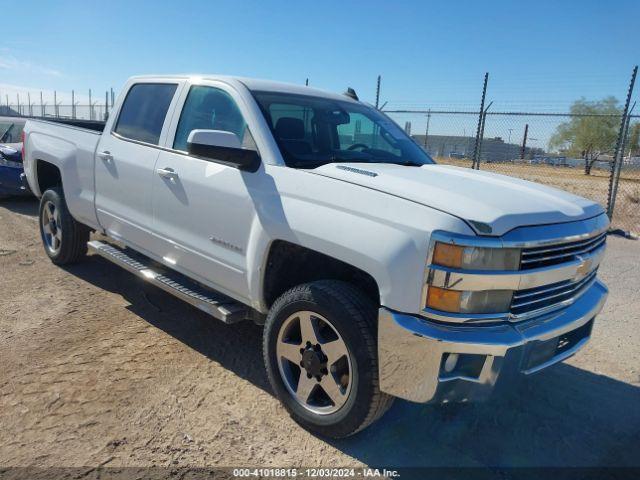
[564, 416]
[23, 205]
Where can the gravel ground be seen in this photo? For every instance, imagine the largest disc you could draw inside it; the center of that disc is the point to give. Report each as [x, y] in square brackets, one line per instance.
[96, 368]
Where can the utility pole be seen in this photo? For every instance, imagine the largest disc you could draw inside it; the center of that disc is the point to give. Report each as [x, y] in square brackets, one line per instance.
[73, 104]
[90, 107]
[106, 105]
[41, 105]
[55, 103]
[426, 132]
[378, 92]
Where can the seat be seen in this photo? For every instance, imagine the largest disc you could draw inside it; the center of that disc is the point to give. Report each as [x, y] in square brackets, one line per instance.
[290, 132]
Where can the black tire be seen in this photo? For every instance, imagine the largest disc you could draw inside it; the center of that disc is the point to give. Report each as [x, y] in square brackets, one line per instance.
[353, 315]
[74, 235]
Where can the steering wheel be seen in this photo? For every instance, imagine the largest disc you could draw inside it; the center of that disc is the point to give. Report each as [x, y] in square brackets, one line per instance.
[358, 145]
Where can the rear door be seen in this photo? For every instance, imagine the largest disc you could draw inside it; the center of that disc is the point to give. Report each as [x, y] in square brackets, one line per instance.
[125, 161]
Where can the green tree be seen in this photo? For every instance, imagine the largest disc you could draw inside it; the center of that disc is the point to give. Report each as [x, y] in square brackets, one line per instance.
[591, 131]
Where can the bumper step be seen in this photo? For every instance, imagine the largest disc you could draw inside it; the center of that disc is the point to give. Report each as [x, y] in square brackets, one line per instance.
[215, 304]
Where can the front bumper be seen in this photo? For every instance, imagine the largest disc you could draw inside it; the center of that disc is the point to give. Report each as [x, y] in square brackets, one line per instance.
[426, 361]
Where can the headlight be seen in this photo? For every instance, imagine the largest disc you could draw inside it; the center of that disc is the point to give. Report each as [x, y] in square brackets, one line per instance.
[476, 258]
[456, 301]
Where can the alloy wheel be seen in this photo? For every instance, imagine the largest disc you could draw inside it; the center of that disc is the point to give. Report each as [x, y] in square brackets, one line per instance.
[314, 362]
[51, 227]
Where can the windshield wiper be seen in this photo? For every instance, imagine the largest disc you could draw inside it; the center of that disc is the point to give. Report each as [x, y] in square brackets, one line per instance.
[307, 163]
[338, 159]
[319, 163]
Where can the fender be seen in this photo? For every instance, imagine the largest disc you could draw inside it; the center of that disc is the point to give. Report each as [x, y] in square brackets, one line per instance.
[377, 233]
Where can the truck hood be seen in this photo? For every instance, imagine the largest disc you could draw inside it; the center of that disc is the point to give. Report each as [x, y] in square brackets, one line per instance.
[490, 203]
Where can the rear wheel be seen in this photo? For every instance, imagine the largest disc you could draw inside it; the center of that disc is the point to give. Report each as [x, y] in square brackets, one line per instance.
[64, 239]
[321, 358]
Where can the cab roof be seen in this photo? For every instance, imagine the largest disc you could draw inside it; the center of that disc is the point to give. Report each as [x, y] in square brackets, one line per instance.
[253, 84]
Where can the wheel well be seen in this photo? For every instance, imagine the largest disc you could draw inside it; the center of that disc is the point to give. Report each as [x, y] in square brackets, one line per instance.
[289, 265]
[48, 175]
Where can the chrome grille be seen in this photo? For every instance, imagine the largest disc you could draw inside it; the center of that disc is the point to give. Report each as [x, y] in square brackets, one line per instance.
[549, 297]
[547, 255]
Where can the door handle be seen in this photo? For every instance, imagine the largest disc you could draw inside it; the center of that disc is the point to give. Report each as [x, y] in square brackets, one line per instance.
[167, 172]
[106, 156]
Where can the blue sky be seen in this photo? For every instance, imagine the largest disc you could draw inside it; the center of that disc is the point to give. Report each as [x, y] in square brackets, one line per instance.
[540, 54]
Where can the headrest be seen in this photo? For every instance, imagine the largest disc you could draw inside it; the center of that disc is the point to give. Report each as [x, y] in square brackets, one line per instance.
[288, 128]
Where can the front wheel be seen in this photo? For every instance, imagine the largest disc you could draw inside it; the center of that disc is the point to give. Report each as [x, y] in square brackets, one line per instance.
[321, 358]
[64, 239]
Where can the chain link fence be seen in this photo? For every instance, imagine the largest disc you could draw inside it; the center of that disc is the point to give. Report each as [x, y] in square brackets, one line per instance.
[79, 111]
[58, 105]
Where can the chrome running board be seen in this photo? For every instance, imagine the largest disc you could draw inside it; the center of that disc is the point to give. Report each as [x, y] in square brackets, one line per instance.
[215, 304]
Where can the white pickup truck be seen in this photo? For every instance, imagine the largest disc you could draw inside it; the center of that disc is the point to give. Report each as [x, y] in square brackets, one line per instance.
[376, 272]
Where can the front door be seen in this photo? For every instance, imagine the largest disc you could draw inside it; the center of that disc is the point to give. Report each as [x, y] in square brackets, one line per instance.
[203, 211]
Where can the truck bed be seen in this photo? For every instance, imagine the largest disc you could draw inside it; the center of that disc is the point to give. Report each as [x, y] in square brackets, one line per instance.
[94, 125]
[70, 146]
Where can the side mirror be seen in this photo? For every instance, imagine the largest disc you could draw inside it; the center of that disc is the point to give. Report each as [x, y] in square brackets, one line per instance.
[222, 147]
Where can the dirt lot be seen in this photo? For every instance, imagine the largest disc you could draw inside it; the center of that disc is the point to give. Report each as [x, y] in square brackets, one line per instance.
[97, 368]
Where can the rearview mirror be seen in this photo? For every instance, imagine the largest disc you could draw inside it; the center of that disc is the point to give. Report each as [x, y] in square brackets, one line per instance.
[338, 117]
[222, 147]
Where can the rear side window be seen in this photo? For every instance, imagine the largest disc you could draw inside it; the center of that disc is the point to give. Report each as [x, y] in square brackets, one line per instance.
[144, 110]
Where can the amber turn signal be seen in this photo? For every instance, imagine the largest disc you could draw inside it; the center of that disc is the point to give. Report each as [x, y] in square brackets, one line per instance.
[448, 255]
[444, 300]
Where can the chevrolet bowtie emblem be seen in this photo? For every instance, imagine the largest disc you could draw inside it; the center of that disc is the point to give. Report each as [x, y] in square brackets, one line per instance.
[583, 269]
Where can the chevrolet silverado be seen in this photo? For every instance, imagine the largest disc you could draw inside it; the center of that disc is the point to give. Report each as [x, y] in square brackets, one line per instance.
[376, 272]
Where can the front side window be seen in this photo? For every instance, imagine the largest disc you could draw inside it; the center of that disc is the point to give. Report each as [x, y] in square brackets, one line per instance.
[313, 131]
[209, 108]
[144, 111]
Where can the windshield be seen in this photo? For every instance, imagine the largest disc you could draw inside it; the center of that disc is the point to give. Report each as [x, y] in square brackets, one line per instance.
[10, 132]
[313, 131]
